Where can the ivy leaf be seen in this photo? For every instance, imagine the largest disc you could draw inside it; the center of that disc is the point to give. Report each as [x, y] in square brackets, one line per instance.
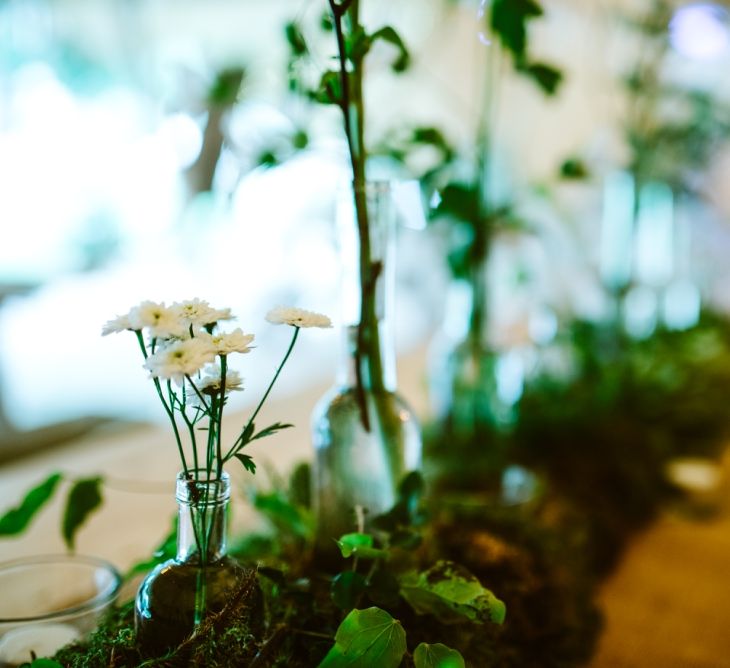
[437, 656]
[330, 88]
[164, 551]
[389, 34]
[248, 463]
[367, 638]
[547, 77]
[284, 515]
[15, 520]
[83, 499]
[272, 429]
[346, 589]
[359, 545]
[451, 594]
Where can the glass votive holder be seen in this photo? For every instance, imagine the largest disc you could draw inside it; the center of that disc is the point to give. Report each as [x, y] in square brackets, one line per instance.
[47, 602]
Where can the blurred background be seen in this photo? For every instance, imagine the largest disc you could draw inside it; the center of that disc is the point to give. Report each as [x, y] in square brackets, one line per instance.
[165, 150]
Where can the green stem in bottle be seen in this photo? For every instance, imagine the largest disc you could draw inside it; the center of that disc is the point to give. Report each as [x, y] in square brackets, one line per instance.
[367, 353]
[219, 450]
[170, 412]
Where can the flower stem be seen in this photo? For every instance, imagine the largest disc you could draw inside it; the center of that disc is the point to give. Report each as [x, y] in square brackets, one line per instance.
[234, 448]
[169, 410]
[219, 452]
[367, 352]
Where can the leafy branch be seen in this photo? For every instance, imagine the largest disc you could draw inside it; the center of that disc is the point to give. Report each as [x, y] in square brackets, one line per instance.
[83, 498]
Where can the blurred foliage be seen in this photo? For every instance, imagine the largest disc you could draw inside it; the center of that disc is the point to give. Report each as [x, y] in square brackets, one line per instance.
[465, 201]
[673, 129]
[600, 420]
[605, 433]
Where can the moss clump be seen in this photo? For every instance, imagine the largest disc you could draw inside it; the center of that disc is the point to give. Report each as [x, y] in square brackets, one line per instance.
[224, 639]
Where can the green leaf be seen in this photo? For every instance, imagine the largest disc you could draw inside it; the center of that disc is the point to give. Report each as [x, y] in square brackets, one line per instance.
[284, 515]
[451, 593]
[300, 140]
[164, 551]
[389, 34]
[246, 435]
[357, 44]
[460, 201]
[574, 168]
[272, 429]
[347, 588]
[547, 77]
[44, 663]
[367, 638]
[509, 22]
[437, 656]
[359, 545]
[248, 463]
[83, 499]
[15, 520]
[330, 88]
[433, 137]
[295, 39]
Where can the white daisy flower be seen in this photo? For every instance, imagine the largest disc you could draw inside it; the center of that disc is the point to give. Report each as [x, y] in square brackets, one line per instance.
[162, 322]
[226, 343]
[199, 313]
[297, 317]
[210, 383]
[179, 359]
[119, 324]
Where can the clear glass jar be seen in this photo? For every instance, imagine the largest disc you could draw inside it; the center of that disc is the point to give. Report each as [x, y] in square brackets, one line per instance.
[47, 602]
[200, 580]
[365, 436]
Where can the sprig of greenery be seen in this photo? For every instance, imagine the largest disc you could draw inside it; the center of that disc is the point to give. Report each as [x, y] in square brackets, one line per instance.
[83, 499]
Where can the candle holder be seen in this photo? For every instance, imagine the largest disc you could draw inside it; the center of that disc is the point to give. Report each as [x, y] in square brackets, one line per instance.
[50, 601]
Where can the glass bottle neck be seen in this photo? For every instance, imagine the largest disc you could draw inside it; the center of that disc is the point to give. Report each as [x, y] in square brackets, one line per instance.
[366, 234]
[201, 531]
[377, 368]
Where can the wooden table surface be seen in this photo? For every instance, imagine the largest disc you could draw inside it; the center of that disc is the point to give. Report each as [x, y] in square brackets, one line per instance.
[666, 606]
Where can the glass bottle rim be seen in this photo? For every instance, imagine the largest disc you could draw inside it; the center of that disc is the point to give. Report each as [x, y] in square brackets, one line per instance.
[198, 490]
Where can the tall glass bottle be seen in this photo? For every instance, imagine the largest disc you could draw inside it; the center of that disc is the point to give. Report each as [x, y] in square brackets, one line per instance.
[366, 438]
[177, 595]
[474, 393]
